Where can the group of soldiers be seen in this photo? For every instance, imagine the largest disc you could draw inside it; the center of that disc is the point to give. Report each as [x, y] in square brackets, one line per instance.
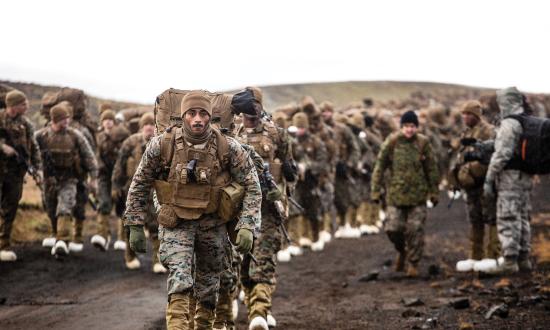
[226, 189]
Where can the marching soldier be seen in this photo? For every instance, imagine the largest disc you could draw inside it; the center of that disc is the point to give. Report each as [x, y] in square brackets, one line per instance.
[470, 175]
[67, 155]
[109, 141]
[413, 180]
[126, 165]
[18, 152]
[191, 167]
[272, 144]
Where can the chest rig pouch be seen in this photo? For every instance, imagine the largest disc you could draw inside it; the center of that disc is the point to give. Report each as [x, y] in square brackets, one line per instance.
[196, 177]
[61, 149]
[264, 144]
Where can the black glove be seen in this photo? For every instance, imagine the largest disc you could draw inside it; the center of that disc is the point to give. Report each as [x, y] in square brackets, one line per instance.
[243, 102]
[467, 141]
[290, 171]
[341, 170]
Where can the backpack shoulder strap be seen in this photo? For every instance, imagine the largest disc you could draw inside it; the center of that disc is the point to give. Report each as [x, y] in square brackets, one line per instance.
[222, 146]
[167, 141]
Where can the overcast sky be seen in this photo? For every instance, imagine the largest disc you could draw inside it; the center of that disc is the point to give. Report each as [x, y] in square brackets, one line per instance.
[133, 50]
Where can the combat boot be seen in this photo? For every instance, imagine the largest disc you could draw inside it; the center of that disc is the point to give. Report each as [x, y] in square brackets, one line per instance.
[120, 243]
[103, 238]
[493, 244]
[412, 271]
[524, 263]
[204, 316]
[476, 241]
[63, 234]
[509, 266]
[158, 268]
[400, 262]
[224, 310]
[76, 244]
[259, 302]
[177, 312]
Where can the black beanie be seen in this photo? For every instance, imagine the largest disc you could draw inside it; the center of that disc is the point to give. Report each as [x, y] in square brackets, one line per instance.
[409, 117]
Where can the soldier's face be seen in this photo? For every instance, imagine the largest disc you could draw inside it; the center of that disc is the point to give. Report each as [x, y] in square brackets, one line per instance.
[197, 119]
[148, 131]
[20, 109]
[250, 121]
[327, 115]
[409, 130]
[108, 124]
[62, 124]
[469, 119]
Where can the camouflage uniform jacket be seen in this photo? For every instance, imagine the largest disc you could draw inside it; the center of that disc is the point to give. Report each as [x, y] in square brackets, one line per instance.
[414, 175]
[241, 169]
[86, 156]
[130, 154]
[21, 132]
[350, 152]
[108, 145]
[311, 152]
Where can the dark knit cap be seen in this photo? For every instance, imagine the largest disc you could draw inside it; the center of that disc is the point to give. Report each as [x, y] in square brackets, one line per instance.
[409, 117]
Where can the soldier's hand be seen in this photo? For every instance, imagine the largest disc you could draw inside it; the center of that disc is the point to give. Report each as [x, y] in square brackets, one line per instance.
[116, 194]
[273, 195]
[137, 239]
[93, 186]
[8, 150]
[244, 241]
[488, 190]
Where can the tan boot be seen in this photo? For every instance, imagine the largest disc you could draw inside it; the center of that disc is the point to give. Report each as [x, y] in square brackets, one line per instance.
[493, 244]
[412, 271]
[224, 310]
[78, 227]
[259, 302]
[64, 224]
[103, 238]
[177, 312]
[476, 241]
[204, 316]
[400, 262]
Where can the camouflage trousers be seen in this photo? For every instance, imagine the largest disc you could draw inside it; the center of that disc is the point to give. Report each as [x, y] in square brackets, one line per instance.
[11, 190]
[79, 210]
[104, 198]
[342, 196]
[480, 210]
[229, 290]
[405, 229]
[513, 212]
[265, 250]
[194, 252]
[258, 279]
[60, 198]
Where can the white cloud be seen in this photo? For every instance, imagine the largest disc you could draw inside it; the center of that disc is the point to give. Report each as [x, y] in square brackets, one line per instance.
[132, 50]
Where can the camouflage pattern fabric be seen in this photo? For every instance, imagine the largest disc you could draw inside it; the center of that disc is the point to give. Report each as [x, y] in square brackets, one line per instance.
[405, 229]
[11, 190]
[242, 170]
[60, 196]
[414, 174]
[513, 187]
[202, 241]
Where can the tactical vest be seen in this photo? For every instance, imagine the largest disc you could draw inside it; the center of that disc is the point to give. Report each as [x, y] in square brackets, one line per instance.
[16, 131]
[472, 174]
[61, 156]
[263, 142]
[189, 197]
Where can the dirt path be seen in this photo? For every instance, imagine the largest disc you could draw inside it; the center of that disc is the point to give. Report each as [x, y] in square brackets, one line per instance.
[316, 291]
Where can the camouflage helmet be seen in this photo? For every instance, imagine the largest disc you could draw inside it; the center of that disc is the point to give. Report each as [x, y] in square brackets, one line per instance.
[300, 120]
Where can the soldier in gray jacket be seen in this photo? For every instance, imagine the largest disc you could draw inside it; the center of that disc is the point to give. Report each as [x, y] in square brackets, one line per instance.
[512, 186]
